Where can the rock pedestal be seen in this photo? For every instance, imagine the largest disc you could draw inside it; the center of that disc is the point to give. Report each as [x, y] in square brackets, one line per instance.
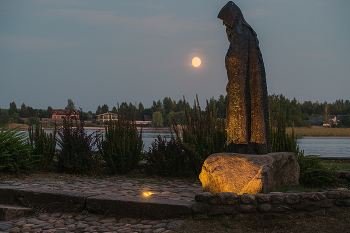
[245, 173]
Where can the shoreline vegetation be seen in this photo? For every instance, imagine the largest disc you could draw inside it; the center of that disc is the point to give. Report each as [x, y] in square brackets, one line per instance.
[319, 132]
[315, 131]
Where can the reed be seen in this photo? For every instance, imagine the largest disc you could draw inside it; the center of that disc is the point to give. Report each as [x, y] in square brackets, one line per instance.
[319, 132]
[44, 144]
[121, 145]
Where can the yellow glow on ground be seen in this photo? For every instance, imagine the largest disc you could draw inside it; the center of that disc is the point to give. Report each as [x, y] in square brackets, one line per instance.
[196, 61]
[147, 194]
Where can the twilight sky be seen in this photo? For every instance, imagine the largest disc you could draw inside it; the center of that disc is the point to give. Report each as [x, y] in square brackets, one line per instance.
[110, 51]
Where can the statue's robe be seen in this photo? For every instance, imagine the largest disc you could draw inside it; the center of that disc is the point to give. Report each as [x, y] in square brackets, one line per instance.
[247, 118]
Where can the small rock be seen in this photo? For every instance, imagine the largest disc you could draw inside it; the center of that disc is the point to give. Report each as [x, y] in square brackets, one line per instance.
[218, 210]
[292, 199]
[262, 197]
[203, 197]
[109, 220]
[345, 202]
[5, 227]
[309, 205]
[160, 225]
[200, 207]
[147, 231]
[69, 221]
[277, 199]
[265, 207]
[247, 198]
[159, 230]
[247, 208]
[127, 220]
[326, 203]
[175, 224]
[332, 194]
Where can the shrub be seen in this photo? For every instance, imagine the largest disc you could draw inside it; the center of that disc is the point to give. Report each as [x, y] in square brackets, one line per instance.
[204, 134]
[122, 145]
[15, 153]
[44, 145]
[187, 150]
[167, 158]
[312, 172]
[77, 154]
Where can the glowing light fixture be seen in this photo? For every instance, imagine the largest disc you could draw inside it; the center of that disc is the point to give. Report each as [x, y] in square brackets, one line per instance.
[147, 194]
[196, 61]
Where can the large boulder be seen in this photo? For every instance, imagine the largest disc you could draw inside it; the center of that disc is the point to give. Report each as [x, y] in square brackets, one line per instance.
[245, 173]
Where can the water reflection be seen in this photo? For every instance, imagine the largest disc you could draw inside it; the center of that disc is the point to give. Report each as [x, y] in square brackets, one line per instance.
[325, 146]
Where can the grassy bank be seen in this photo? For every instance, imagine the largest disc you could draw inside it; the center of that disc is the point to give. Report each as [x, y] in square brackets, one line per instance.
[320, 132]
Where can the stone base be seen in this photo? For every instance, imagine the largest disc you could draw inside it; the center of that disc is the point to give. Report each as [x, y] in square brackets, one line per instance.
[244, 173]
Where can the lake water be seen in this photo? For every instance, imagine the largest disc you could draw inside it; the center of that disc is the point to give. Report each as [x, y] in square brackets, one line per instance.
[324, 146]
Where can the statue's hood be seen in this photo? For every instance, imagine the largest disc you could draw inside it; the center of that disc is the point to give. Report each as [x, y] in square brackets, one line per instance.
[233, 16]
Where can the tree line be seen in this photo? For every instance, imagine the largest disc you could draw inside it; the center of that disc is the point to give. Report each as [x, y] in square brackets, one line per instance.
[162, 111]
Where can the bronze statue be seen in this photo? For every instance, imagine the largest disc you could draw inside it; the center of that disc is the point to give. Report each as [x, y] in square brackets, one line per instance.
[247, 118]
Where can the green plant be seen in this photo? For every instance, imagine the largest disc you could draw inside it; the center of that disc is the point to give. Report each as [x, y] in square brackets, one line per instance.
[122, 145]
[312, 172]
[280, 140]
[77, 148]
[44, 145]
[15, 153]
[187, 150]
[167, 158]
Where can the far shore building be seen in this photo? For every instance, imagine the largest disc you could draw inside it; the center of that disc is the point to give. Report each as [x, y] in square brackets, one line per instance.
[60, 114]
[108, 116]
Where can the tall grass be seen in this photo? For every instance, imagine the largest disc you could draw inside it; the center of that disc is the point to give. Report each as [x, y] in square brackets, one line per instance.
[44, 144]
[319, 132]
[312, 172]
[122, 145]
[191, 144]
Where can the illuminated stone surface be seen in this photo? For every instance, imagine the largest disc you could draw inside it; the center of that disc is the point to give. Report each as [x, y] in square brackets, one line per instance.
[244, 173]
[247, 117]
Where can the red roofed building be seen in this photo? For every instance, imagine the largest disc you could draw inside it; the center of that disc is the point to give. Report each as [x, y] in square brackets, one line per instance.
[58, 114]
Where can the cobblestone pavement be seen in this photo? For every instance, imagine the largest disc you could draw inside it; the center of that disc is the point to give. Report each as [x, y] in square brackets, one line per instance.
[158, 188]
[57, 222]
[60, 223]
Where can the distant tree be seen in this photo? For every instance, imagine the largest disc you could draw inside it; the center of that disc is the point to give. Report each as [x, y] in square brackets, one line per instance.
[4, 117]
[70, 105]
[15, 118]
[23, 112]
[99, 110]
[171, 117]
[49, 112]
[157, 119]
[114, 110]
[180, 118]
[13, 109]
[104, 108]
[141, 110]
[168, 105]
[346, 121]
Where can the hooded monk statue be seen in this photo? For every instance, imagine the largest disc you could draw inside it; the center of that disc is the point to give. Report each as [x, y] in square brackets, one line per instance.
[247, 118]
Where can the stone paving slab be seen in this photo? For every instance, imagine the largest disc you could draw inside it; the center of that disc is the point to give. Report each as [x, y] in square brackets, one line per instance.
[8, 212]
[138, 207]
[159, 188]
[119, 196]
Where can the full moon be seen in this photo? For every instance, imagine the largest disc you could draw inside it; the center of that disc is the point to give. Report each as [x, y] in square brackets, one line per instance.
[196, 61]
